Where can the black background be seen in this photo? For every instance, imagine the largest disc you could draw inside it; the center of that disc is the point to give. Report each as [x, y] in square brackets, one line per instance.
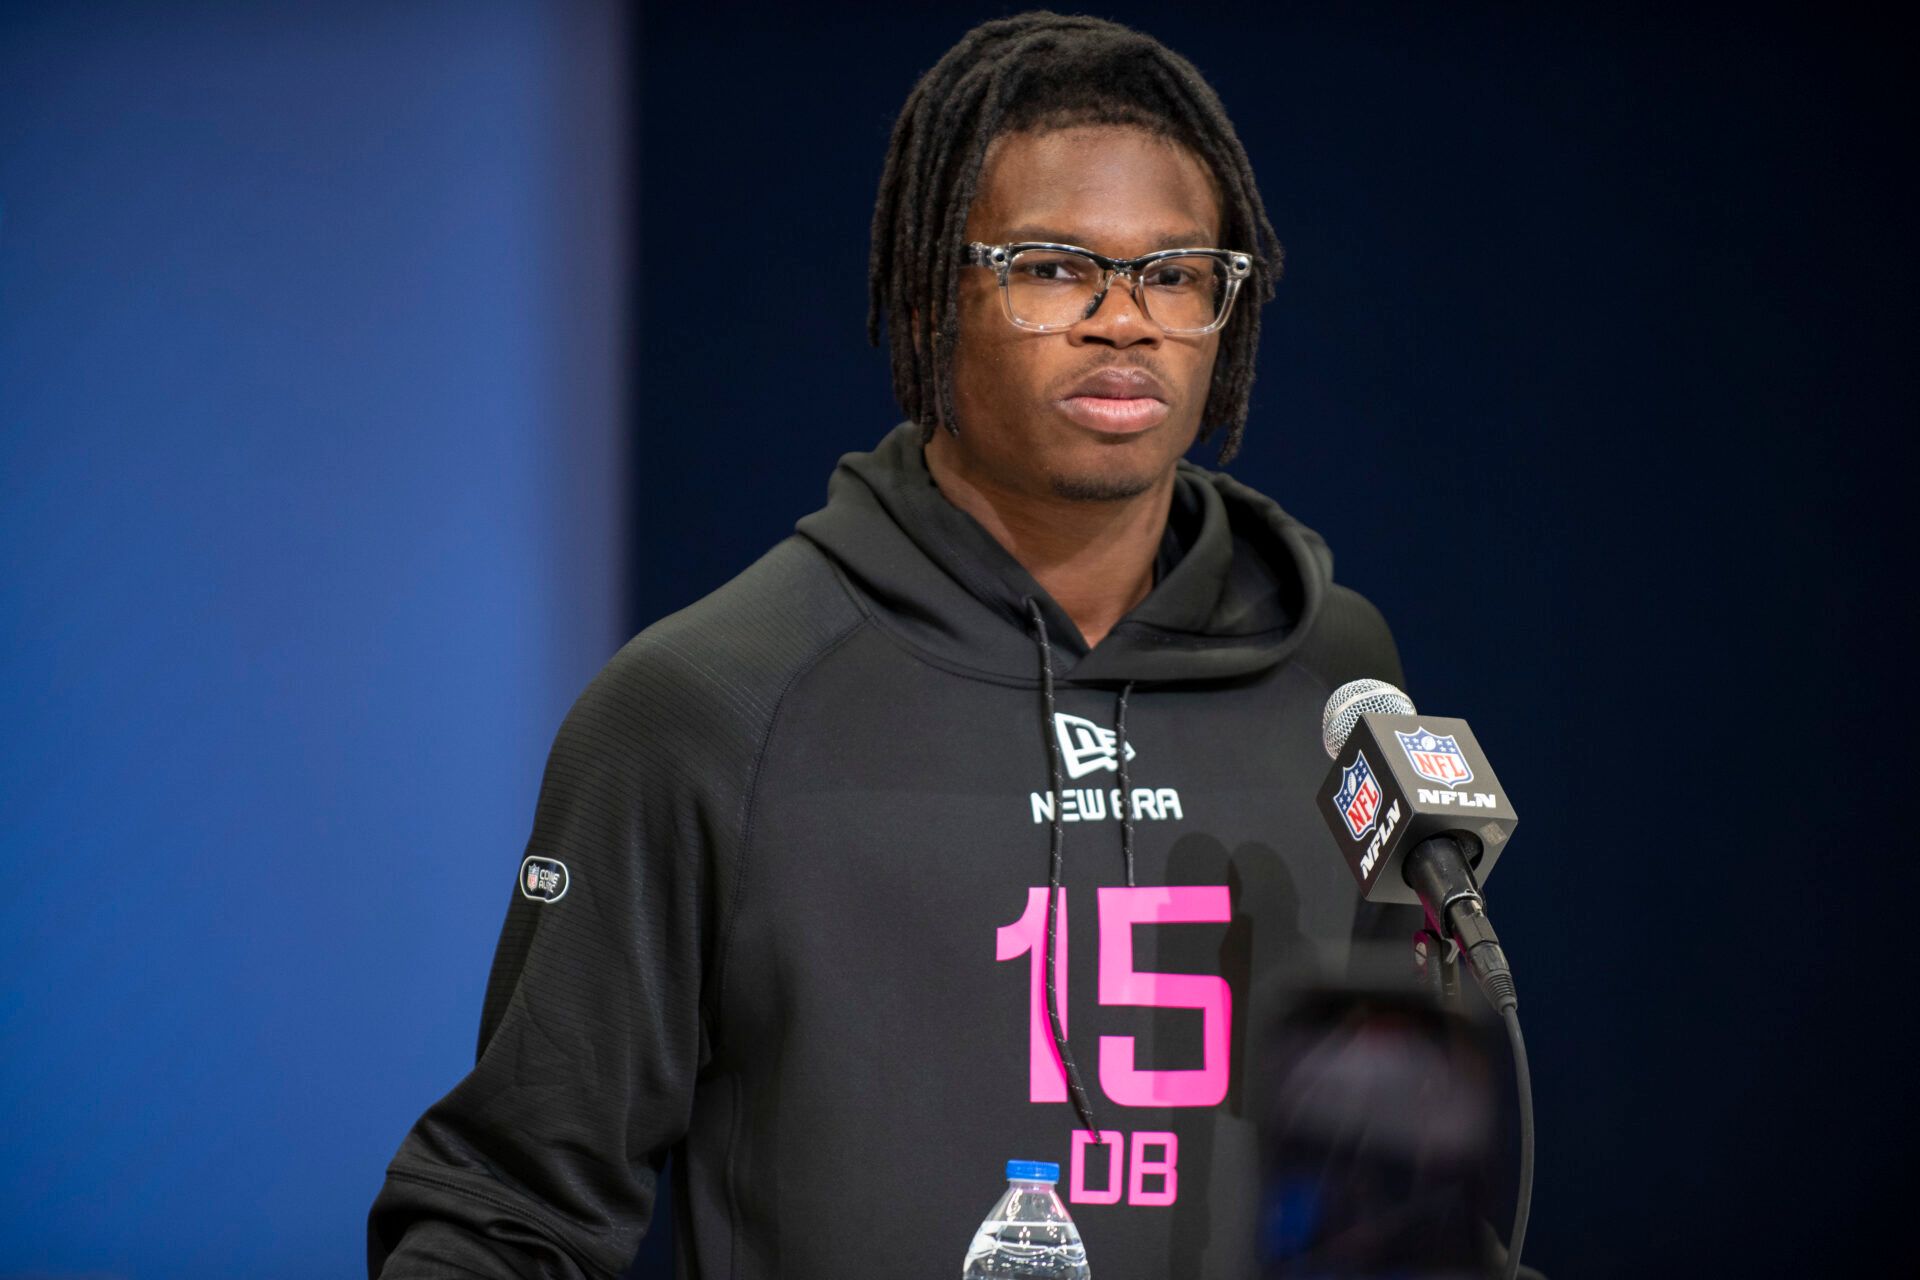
[1593, 364]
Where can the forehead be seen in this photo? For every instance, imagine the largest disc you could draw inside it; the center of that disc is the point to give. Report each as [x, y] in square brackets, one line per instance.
[1116, 188]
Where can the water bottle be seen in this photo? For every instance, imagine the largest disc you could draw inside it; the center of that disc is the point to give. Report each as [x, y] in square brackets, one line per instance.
[1028, 1232]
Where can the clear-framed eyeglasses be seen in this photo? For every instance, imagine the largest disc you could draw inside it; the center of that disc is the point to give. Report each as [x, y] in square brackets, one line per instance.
[1051, 287]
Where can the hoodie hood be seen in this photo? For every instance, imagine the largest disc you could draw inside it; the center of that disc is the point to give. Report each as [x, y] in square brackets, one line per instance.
[1237, 584]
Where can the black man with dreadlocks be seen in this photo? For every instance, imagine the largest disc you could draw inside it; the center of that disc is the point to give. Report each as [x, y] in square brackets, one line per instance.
[967, 824]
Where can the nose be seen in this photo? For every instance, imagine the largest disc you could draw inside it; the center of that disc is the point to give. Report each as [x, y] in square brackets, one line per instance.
[1118, 320]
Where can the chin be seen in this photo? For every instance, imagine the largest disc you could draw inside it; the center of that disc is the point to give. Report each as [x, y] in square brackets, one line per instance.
[1099, 486]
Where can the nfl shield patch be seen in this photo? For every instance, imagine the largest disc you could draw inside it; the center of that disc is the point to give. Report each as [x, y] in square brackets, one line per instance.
[1436, 757]
[1358, 798]
[544, 879]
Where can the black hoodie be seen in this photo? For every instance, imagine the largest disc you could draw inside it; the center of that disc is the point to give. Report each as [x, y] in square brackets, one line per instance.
[782, 911]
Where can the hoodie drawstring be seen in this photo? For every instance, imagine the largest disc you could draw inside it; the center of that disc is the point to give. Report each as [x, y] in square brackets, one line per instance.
[1055, 836]
[1126, 789]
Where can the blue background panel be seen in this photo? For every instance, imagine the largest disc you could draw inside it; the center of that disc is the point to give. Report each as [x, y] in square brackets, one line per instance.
[311, 497]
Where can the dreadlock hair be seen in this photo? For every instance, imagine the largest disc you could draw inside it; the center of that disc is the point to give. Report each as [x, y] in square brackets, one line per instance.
[1032, 72]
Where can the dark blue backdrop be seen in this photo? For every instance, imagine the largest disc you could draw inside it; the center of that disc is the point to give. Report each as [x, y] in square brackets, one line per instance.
[318, 504]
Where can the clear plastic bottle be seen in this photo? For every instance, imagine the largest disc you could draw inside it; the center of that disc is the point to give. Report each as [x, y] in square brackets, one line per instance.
[1028, 1233]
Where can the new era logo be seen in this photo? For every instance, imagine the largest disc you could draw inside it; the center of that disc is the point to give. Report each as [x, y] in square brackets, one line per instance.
[1085, 746]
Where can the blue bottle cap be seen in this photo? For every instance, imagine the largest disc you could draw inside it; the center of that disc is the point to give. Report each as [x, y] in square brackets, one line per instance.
[1032, 1171]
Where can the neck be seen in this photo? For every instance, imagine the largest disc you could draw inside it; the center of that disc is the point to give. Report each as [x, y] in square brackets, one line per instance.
[1094, 558]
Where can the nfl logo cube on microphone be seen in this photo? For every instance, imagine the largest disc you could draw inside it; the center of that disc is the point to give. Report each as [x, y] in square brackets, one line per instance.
[1401, 779]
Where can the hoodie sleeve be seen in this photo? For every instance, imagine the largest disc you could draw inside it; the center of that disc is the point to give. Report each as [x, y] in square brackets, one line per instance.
[546, 1159]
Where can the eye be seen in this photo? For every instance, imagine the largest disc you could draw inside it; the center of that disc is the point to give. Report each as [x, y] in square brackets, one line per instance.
[1043, 267]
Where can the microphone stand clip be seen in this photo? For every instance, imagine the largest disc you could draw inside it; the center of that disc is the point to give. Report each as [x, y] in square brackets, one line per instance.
[1441, 971]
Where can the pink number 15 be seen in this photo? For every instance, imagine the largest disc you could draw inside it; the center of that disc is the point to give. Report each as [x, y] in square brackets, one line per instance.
[1121, 984]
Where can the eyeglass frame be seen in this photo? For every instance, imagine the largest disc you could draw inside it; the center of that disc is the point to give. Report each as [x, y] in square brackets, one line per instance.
[999, 258]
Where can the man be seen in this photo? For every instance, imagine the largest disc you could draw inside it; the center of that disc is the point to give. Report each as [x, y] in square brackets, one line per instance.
[966, 824]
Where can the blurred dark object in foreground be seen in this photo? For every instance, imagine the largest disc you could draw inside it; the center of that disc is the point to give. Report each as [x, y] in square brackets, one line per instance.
[1386, 1115]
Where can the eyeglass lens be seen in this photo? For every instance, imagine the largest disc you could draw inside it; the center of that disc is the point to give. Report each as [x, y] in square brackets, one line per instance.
[1051, 287]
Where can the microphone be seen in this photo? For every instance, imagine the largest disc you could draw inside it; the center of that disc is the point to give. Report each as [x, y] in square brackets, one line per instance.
[1418, 813]
[1421, 817]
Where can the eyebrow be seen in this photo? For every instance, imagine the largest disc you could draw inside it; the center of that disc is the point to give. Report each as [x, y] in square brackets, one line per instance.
[1188, 239]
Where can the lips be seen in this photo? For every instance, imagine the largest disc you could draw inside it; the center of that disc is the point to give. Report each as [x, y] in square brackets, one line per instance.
[1116, 401]
[1119, 384]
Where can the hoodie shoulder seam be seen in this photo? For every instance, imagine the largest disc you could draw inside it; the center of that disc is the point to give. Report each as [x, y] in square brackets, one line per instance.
[749, 803]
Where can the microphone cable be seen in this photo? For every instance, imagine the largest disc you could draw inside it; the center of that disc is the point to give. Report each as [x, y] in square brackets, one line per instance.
[1510, 1014]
